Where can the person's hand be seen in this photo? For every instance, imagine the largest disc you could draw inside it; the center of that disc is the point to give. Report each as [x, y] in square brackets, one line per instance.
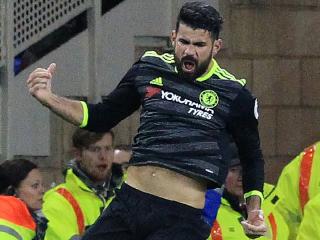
[39, 82]
[255, 225]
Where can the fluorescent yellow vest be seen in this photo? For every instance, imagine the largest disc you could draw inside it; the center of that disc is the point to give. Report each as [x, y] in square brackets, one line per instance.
[63, 222]
[227, 224]
[298, 183]
[310, 225]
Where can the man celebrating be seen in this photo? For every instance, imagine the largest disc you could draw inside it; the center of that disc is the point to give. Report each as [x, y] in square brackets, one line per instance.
[190, 107]
[74, 205]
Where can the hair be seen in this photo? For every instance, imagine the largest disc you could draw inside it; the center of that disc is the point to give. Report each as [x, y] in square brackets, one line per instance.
[12, 173]
[82, 139]
[235, 159]
[199, 15]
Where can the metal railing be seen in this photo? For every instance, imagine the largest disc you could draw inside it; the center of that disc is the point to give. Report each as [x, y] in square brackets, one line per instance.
[2, 31]
[34, 19]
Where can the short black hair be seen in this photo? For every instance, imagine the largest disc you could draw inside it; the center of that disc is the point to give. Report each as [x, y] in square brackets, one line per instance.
[82, 139]
[199, 15]
[13, 172]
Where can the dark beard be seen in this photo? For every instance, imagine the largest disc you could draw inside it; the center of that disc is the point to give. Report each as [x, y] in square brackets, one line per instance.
[199, 69]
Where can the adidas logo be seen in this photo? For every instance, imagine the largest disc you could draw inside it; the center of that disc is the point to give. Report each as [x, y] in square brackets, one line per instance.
[157, 81]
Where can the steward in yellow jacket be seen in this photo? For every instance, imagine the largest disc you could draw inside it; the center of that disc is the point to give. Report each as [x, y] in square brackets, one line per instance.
[16, 222]
[298, 183]
[227, 224]
[232, 211]
[74, 206]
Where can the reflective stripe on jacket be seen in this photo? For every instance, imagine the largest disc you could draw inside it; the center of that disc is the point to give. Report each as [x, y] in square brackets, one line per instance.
[70, 208]
[76, 208]
[16, 221]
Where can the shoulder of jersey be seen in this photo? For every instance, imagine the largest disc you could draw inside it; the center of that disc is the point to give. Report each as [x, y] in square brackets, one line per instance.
[158, 59]
[222, 74]
[167, 60]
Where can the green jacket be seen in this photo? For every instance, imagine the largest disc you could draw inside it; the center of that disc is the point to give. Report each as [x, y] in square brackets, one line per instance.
[70, 208]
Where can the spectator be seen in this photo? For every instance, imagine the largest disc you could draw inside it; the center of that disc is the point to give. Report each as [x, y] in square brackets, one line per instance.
[232, 208]
[86, 190]
[298, 183]
[21, 189]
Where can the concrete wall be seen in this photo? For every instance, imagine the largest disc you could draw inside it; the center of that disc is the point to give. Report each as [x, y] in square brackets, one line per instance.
[275, 45]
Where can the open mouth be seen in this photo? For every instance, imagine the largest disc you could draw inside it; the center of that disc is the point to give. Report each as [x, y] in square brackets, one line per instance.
[189, 66]
[102, 167]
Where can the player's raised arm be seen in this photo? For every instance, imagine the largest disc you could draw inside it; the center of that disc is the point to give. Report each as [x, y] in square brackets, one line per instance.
[39, 85]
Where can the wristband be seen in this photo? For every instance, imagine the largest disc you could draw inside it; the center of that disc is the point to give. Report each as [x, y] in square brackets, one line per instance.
[85, 114]
[254, 193]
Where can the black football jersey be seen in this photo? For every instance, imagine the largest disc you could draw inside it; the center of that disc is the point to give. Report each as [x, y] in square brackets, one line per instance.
[186, 124]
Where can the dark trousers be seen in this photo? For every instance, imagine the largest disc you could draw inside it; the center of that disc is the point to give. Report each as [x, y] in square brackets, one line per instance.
[135, 215]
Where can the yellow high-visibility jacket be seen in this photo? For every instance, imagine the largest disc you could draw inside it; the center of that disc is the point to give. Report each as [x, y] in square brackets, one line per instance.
[70, 208]
[228, 222]
[310, 225]
[16, 222]
[298, 183]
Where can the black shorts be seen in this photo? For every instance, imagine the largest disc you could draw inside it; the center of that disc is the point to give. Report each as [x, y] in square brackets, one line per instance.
[135, 215]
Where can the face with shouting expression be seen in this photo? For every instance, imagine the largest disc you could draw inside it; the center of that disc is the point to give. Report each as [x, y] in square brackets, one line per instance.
[194, 50]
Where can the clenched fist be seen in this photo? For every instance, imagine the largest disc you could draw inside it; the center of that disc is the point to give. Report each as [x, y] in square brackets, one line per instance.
[39, 83]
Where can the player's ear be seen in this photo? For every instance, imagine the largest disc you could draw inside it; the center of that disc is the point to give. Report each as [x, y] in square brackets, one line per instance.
[11, 191]
[217, 45]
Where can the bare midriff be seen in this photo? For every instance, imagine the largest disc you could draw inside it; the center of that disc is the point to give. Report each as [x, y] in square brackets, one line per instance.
[167, 184]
